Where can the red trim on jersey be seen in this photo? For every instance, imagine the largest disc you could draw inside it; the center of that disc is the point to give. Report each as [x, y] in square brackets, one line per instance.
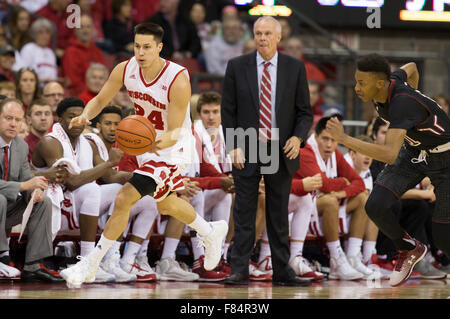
[168, 90]
[391, 87]
[157, 78]
[426, 107]
[125, 71]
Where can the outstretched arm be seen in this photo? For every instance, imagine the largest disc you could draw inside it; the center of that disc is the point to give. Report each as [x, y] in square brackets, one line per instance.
[386, 153]
[106, 94]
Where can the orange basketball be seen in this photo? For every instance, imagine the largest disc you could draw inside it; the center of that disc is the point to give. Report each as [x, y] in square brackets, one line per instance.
[135, 135]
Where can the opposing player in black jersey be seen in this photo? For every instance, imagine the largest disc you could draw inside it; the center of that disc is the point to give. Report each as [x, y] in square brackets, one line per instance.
[417, 145]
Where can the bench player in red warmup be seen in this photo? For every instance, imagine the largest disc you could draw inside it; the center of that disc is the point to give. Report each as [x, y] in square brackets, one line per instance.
[160, 91]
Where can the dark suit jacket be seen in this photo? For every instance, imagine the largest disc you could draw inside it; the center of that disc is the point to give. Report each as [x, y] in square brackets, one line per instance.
[19, 170]
[240, 102]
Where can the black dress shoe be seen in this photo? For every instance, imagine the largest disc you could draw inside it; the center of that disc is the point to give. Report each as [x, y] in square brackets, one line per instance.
[293, 281]
[236, 279]
[42, 274]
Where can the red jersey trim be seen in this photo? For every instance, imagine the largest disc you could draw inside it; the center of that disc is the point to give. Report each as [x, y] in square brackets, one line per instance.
[157, 78]
[170, 86]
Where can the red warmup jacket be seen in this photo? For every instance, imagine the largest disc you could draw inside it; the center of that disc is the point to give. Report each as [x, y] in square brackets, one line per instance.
[76, 60]
[309, 167]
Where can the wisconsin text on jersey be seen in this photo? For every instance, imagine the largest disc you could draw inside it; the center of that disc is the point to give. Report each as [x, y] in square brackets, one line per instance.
[146, 97]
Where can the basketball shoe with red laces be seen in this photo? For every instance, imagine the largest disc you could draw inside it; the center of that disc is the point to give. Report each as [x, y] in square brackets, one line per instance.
[405, 263]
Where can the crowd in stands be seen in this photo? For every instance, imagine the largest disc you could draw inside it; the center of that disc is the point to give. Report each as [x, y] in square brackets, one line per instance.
[49, 66]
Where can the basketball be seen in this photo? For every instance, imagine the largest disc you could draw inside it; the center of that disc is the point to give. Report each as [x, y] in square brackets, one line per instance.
[135, 135]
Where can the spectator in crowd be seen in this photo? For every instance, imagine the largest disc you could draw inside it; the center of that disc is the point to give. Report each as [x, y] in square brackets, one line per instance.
[7, 60]
[286, 32]
[444, 102]
[142, 9]
[180, 38]
[53, 93]
[8, 89]
[120, 28]
[205, 30]
[32, 6]
[38, 55]
[24, 130]
[55, 11]
[223, 48]
[39, 119]
[16, 178]
[294, 48]
[96, 76]
[94, 10]
[249, 46]
[18, 28]
[27, 86]
[81, 52]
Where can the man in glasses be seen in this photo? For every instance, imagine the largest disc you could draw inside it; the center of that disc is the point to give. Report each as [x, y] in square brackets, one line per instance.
[53, 93]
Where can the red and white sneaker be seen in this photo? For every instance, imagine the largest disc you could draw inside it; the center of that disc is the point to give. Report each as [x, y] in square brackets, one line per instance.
[405, 263]
[142, 275]
[9, 272]
[224, 266]
[207, 275]
[254, 274]
[303, 270]
[265, 265]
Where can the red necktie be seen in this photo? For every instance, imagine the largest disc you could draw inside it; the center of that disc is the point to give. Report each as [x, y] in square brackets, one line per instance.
[265, 106]
[5, 155]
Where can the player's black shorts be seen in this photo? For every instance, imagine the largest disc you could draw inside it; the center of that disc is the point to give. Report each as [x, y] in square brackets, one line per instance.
[404, 175]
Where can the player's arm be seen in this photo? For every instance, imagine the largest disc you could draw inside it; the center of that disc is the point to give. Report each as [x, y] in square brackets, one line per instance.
[413, 74]
[179, 95]
[386, 153]
[106, 94]
[46, 153]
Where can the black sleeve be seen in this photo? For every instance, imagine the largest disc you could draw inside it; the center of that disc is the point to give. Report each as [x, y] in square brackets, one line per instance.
[405, 112]
[399, 75]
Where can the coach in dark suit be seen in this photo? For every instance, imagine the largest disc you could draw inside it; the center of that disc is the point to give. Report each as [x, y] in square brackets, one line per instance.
[16, 186]
[266, 94]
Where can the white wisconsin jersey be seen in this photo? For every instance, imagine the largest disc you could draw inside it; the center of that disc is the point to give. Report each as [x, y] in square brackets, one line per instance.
[151, 100]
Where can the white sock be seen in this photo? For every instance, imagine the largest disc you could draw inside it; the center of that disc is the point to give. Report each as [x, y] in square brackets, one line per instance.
[369, 248]
[354, 246]
[103, 245]
[86, 247]
[201, 226]
[196, 250]
[144, 248]
[334, 247]
[296, 248]
[264, 251]
[130, 252]
[170, 247]
[225, 250]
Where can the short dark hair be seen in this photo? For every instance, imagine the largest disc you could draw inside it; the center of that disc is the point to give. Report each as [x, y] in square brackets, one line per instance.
[36, 102]
[150, 28]
[208, 98]
[322, 124]
[376, 126]
[374, 63]
[67, 102]
[110, 109]
[9, 100]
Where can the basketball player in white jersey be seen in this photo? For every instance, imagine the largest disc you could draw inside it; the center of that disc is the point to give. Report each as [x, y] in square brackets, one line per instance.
[161, 92]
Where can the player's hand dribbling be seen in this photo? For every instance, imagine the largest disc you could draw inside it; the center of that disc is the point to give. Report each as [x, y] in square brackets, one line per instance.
[80, 120]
